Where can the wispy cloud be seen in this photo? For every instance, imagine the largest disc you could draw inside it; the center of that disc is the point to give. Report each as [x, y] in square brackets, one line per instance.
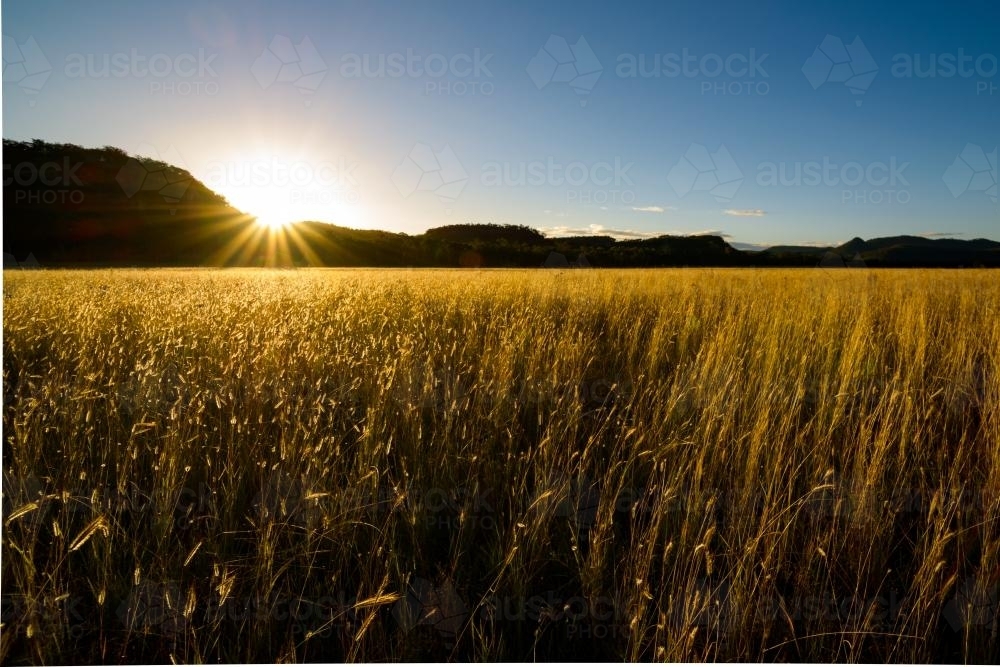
[940, 235]
[745, 212]
[652, 209]
[752, 247]
[623, 234]
[596, 230]
[704, 232]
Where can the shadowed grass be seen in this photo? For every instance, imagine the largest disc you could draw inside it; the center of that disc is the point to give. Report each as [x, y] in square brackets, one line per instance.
[258, 466]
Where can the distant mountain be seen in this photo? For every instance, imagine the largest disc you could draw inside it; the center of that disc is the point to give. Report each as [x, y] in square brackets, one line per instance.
[900, 251]
[65, 205]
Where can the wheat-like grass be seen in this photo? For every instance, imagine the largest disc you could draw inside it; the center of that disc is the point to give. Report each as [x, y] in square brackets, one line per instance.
[258, 466]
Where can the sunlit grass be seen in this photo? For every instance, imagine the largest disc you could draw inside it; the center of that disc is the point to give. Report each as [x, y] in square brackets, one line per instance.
[258, 466]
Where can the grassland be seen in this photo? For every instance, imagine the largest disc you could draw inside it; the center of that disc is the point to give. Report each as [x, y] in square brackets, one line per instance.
[254, 466]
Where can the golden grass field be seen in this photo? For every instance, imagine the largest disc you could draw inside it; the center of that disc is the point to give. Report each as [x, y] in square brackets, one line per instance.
[326, 465]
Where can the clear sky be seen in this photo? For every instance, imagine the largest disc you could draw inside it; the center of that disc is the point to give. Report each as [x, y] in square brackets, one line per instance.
[770, 122]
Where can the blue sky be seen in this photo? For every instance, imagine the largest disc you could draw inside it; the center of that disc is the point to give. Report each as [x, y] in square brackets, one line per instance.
[859, 119]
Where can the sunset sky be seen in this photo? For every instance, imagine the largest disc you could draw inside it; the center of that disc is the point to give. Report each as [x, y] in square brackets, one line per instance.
[779, 122]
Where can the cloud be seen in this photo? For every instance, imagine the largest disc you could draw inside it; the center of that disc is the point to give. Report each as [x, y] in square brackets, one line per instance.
[940, 235]
[704, 232]
[652, 209]
[624, 234]
[745, 212]
[750, 247]
[596, 230]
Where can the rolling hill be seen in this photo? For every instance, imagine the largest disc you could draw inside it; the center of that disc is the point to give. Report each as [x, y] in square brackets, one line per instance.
[65, 205]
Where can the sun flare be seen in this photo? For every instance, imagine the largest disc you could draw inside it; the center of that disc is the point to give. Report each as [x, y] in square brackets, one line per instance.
[282, 186]
[273, 223]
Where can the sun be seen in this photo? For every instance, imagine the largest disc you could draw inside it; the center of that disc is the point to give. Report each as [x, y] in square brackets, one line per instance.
[273, 223]
[283, 187]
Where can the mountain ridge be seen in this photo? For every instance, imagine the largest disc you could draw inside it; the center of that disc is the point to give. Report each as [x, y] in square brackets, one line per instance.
[65, 205]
